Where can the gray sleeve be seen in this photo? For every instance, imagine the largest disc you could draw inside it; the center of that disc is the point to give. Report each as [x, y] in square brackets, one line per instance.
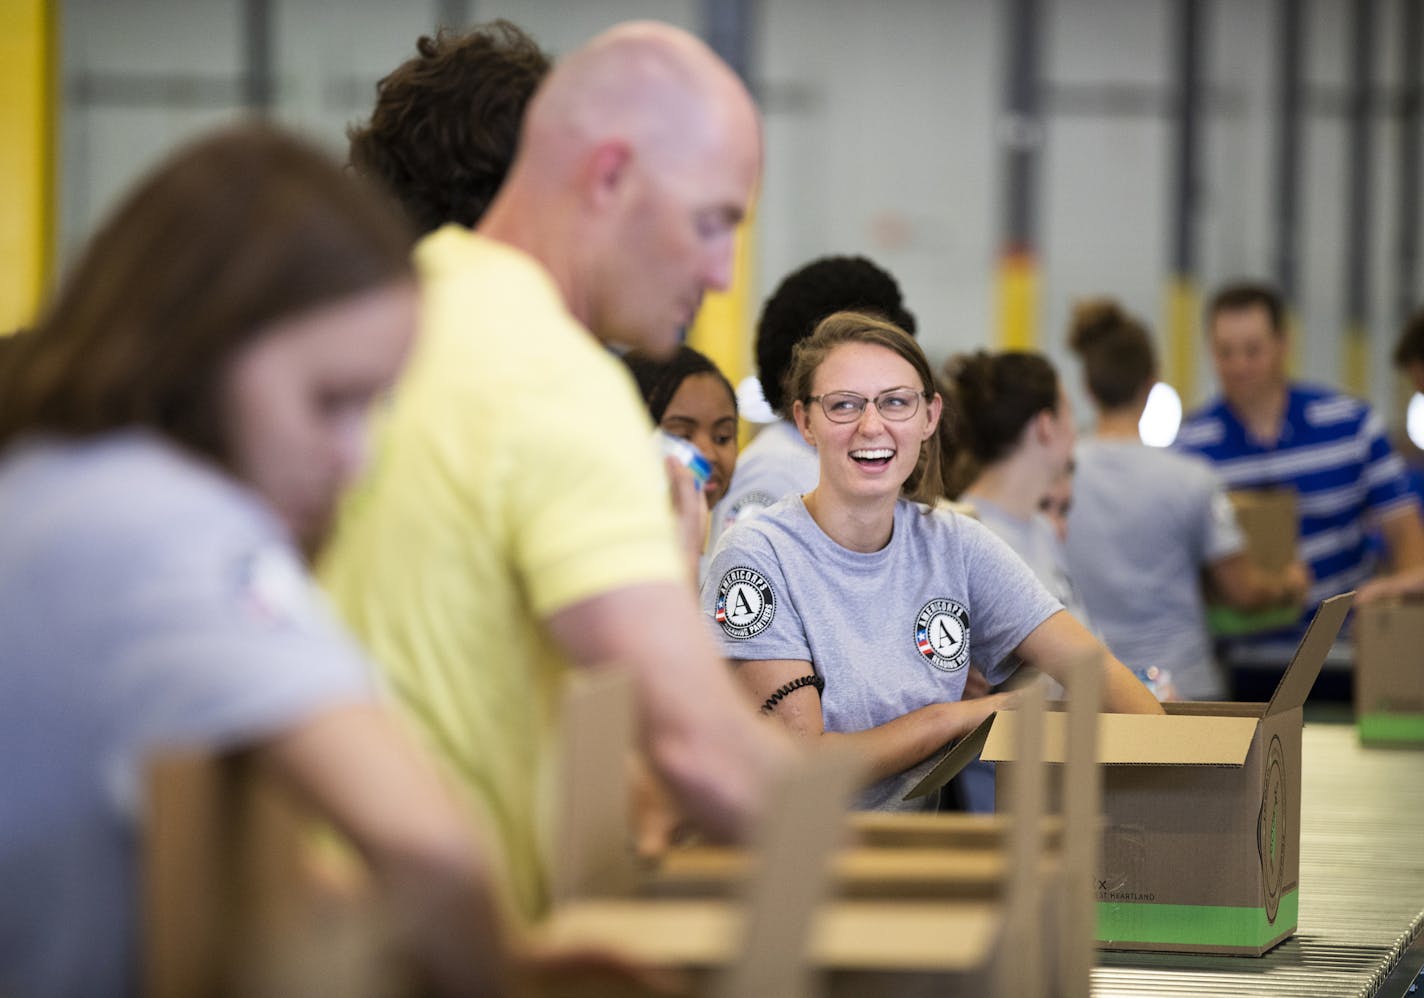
[1008, 600]
[229, 645]
[747, 603]
[756, 485]
[1221, 534]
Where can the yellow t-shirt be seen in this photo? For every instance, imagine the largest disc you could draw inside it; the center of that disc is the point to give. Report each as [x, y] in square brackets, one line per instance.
[515, 477]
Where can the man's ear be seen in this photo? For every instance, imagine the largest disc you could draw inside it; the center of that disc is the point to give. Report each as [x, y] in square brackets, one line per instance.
[1042, 424]
[606, 169]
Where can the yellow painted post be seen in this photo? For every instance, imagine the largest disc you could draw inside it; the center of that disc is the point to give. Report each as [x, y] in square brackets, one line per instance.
[1018, 301]
[723, 327]
[1357, 360]
[27, 53]
[1183, 337]
[1293, 347]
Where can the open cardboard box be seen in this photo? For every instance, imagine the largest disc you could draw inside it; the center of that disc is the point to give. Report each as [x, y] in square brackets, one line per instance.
[1389, 672]
[1201, 849]
[1271, 524]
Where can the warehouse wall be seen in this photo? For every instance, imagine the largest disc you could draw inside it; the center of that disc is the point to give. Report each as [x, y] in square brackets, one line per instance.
[883, 129]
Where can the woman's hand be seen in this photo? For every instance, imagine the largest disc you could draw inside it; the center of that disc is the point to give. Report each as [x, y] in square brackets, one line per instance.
[689, 507]
[976, 685]
[1410, 583]
[1295, 582]
[658, 823]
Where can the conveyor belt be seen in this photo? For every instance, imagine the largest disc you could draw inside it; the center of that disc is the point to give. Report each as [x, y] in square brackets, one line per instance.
[1361, 888]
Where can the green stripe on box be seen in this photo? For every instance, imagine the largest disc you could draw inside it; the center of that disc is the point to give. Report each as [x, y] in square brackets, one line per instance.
[1194, 924]
[1392, 727]
[1226, 622]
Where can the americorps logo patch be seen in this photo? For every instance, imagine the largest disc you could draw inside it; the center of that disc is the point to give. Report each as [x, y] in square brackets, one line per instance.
[745, 603]
[753, 502]
[942, 634]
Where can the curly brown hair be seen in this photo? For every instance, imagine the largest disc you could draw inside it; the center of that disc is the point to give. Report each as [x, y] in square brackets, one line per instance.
[805, 297]
[446, 123]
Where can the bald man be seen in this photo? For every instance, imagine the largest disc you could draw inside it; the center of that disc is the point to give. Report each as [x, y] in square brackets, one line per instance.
[517, 521]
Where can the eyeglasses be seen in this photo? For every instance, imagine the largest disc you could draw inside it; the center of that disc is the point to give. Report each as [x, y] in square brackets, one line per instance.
[896, 405]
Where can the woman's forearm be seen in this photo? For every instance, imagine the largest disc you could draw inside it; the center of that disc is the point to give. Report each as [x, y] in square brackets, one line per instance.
[895, 746]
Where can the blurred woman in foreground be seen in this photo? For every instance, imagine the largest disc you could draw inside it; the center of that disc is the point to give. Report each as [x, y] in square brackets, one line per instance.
[176, 431]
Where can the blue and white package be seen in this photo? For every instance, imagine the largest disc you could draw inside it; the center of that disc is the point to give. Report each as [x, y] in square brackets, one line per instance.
[685, 452]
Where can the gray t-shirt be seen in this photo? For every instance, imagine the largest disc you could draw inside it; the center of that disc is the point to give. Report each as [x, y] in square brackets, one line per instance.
[146, 601]
[777, 463]
[1035, 541]
[1143, 524]
[890, 631]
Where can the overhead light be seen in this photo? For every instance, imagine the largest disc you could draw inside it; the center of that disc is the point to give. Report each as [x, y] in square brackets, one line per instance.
[1414, 420]
[1163, 416]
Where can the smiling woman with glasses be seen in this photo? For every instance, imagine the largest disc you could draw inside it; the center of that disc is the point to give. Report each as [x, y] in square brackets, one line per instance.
[854, 611]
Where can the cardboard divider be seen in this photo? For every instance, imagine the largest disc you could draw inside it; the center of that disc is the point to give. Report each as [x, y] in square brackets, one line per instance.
[763, 922]
[804, 825]
[926, 873]
[940, 830]
[240, 897]
[593, 855]
[1082, 820]
[1019, 967]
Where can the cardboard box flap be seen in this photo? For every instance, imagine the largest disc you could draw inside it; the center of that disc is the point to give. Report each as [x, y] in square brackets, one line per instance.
[1139, 739]
[965, 751]
[1305, 665]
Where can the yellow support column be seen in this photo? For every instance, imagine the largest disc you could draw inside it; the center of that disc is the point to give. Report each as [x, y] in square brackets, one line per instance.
[27, 53]
[1357, 360]
[1294, 350]
[1018, 301]
[723, 327]
[1183, 311]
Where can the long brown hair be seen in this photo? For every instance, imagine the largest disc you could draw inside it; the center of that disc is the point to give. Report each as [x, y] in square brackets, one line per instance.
[840, 328]
[231, 234]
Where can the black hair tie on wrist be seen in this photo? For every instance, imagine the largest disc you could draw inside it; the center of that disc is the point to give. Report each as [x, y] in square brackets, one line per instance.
[790, 688]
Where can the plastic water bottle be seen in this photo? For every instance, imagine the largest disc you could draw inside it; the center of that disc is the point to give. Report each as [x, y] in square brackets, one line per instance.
[685, 452]
[1158, 682]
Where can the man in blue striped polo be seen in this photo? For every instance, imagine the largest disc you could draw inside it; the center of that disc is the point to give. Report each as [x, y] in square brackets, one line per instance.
[1267, 432]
